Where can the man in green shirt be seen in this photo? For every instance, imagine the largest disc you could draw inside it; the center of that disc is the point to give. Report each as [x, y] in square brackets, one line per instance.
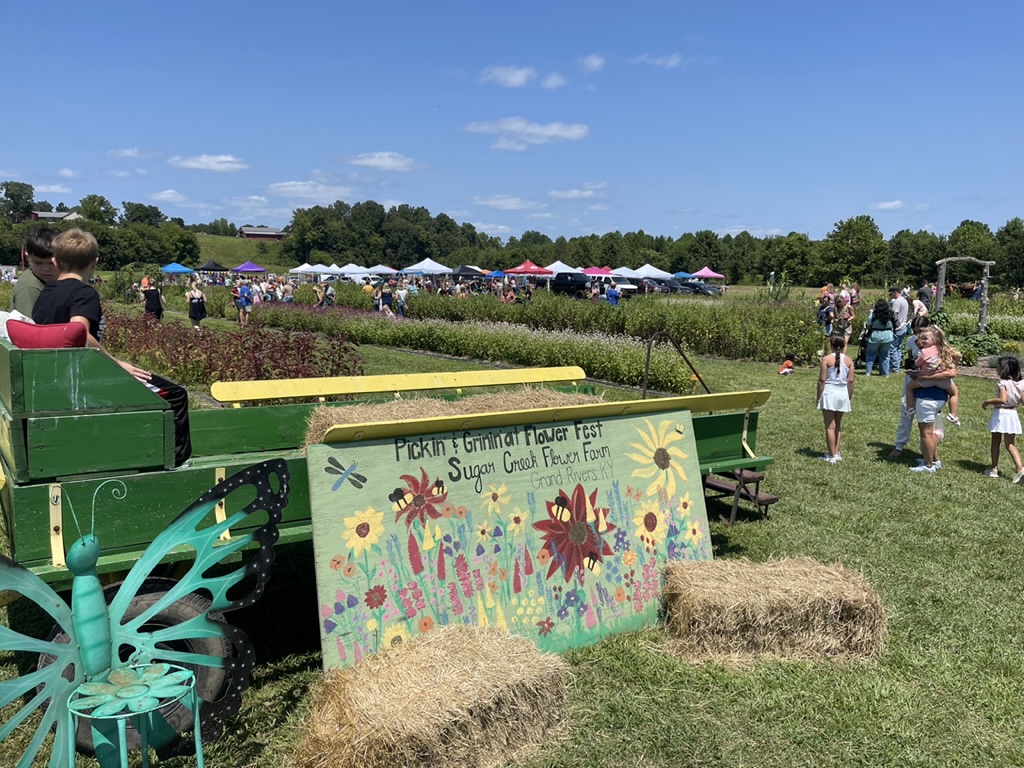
[41, 269]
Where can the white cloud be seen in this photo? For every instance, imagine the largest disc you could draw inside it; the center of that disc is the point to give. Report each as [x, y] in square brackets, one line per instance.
[59, 189]
[133, 152]
[892, 205]
[553, 81]
[492, 229]
[592, 63]
[119, 174]
[313, 191]
[169, 196]
[67, 173]
[508, 203]
[599, 207]
[545, 216]
[586, 192]
[665, 62]
[516, 133]
[384, 161]
[509, 77]
[142, 171]
[218, 163]
[753, 231]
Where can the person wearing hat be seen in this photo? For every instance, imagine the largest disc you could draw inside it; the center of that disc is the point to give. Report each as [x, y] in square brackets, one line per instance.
[900, 316]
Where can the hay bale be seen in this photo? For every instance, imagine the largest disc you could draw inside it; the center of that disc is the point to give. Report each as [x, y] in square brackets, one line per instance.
[456, 696]
[791, 608]
[519, 399]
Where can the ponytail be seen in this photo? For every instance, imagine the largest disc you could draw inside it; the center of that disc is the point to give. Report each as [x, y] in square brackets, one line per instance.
[837, 342]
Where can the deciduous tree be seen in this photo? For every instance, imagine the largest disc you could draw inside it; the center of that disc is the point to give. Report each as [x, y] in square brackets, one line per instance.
[97, 208]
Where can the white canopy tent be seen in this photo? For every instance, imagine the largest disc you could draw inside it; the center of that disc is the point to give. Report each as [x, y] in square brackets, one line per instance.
[352, 269]
[429, 267]
[320, 269]
[382, 269]
[626, 272]
[560, 267]
[648, 271]
[302, 269]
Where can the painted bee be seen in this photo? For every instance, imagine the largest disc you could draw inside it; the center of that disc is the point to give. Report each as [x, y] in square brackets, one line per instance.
[400, 498]
[439, 487]
[593, 564]
[561, 510]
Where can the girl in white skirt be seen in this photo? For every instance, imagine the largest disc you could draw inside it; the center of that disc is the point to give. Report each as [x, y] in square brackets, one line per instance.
[835, 388]
[1005, 423]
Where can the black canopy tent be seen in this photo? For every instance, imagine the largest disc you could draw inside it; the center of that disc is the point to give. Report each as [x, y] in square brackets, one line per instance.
[212, 266]
[467, 270]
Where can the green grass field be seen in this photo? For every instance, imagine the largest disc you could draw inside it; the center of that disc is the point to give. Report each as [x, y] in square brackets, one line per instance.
[232, 251]
[943, 550]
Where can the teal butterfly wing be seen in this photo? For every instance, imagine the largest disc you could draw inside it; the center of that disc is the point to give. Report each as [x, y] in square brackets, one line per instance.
[47, 688]
[225, 575]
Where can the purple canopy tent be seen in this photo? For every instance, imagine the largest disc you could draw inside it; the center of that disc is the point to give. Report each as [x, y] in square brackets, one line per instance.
[248, 267]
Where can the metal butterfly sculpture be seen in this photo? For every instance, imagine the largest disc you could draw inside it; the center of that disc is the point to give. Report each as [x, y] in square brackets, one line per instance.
[149, 619]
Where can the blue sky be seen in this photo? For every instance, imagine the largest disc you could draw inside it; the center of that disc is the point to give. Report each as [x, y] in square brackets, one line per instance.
[565, 117]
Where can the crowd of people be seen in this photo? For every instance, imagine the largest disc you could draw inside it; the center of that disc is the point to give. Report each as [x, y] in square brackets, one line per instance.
[929, 385]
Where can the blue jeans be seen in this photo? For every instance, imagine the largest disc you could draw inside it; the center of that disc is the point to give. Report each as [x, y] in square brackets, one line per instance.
[881, 351]
[896, 350]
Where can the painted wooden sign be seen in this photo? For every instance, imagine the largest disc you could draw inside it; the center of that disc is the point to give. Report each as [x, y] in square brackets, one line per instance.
[554, 531]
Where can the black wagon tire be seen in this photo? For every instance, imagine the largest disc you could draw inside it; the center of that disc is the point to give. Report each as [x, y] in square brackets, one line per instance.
[210, 682]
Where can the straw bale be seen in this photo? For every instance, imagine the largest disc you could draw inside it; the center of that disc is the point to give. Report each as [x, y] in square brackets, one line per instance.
[790, 608]
[456, 696]
[518, 399]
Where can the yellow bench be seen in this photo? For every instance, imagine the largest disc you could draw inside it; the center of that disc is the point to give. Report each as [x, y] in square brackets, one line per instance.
[237, 392]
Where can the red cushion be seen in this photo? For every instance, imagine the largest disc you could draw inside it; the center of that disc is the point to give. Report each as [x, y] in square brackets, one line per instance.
[30, 336]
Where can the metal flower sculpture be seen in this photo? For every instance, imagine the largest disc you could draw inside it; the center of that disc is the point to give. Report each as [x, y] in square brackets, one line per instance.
[95, 642]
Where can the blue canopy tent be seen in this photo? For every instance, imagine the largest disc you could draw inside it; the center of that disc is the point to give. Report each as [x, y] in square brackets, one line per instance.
[495, 273]
[174, 268]
[682, 275]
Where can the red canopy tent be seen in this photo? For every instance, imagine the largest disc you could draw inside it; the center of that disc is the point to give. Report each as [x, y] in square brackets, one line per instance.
[597, 271]
[528, 268]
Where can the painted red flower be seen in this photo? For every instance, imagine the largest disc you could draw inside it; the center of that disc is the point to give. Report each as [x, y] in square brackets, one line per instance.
[375, 597]
[419, 499]
[545, 626]
[574, 533]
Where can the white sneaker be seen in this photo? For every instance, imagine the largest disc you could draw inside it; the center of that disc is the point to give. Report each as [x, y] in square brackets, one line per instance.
[937, 463]
[992, 472]
[1018, 478]
[924, 468]
[837, 458]
[826, 457]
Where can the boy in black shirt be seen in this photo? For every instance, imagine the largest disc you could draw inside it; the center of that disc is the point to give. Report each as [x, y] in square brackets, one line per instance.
[70, 298]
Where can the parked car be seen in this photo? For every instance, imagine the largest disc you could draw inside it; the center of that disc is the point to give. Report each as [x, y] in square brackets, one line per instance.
[626, 288]
[666, 285]
[704, 289]
[572, 284]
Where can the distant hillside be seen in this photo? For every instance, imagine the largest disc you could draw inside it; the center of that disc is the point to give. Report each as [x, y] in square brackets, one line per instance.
[232, 251]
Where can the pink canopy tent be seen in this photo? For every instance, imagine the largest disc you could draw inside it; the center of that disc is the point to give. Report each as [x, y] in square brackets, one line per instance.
[708, 273]
[528, 268]
[597, 271]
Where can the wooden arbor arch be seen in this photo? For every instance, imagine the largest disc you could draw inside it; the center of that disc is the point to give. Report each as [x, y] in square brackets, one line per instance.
[940, 288]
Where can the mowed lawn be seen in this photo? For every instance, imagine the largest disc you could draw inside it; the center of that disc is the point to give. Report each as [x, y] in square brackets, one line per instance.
[943, 550]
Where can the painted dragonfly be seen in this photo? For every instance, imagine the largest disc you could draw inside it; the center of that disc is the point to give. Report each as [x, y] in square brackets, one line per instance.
[344, 473]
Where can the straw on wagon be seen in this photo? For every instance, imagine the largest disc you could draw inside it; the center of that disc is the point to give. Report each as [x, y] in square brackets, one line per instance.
[325, 417]
[457, 696]
[790, 608]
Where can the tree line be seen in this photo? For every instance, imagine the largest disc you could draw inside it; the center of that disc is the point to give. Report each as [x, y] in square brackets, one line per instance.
[367, 233]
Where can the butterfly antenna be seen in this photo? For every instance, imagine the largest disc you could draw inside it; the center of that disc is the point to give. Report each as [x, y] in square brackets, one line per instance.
[71, 507]
[117, 493]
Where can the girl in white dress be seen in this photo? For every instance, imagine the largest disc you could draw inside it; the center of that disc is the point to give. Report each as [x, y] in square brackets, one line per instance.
[1005, 423]
[835, 388]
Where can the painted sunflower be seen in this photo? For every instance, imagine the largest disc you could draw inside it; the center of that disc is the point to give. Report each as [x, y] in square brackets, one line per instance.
[394, 636]
[651, 525]
[517, 521]
[363, 530]
[574, 533]
[658, 457]
[495, 497]
[694, 533]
